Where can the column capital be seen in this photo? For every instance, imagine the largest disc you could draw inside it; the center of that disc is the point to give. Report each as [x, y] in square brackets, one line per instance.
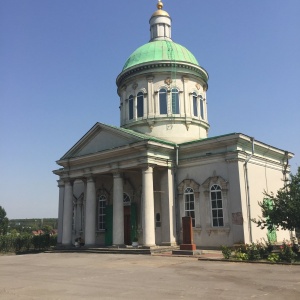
[146, 167]
[90, 178]
[60, 183]
[150, 78]
[117, 174]
[69, 181]
[185, 79]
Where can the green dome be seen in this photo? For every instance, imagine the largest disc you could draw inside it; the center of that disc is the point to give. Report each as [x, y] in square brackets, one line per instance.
[160, 50]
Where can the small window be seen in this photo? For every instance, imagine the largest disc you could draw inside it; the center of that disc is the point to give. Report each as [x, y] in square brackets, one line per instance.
[126, 199]
[195, 106]
[163, 102]
[130, 107]
[101, 212]
[175, 101]
[201, 108]
[140, 105]
[189, 202]
[217, 206]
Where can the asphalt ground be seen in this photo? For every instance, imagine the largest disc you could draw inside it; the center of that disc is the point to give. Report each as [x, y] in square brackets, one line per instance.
[121, 276]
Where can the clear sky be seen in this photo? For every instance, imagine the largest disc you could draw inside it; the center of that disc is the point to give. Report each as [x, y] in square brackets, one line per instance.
[59, 61]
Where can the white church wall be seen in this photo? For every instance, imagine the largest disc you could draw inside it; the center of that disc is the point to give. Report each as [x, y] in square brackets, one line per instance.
[262, 177]
[205, 234]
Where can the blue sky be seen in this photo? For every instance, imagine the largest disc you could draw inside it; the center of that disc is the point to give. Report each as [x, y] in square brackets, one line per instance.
[59, 61]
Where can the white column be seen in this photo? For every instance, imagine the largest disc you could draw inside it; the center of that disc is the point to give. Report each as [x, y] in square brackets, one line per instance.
[118, 210]
[68, 213]
[167, 208]
[148, 207]
[61, 186]
[90, 212]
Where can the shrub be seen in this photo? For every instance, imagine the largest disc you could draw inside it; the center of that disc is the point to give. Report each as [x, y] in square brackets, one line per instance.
[25, 242]
[226, 251]
[253, 252]
[286, 253]
[241, 255]
[273, 257]
[295, 248]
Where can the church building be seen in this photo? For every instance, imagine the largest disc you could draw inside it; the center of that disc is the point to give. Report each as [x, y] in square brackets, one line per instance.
[136, 182]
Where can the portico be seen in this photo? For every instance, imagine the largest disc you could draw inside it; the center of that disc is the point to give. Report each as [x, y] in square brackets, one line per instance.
[132, 171]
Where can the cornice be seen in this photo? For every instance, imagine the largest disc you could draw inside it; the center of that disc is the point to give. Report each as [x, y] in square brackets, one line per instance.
[150, 66]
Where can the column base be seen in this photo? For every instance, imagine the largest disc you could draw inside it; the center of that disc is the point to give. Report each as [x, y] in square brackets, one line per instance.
[118, 246]
[172, 244]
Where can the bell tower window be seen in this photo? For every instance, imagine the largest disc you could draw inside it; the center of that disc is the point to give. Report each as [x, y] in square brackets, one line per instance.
[130, 103]
[175, 101]
[162, 101]
[140, 105]
[195, 105]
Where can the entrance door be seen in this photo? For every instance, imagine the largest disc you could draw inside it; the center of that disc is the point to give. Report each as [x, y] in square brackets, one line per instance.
[127, 226]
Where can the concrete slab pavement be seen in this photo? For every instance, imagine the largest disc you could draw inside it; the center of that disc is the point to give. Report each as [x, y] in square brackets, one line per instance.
[119, 276]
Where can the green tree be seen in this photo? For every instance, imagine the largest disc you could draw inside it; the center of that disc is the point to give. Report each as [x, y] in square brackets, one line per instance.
[47, 228]
[3, 221]
[285, 209]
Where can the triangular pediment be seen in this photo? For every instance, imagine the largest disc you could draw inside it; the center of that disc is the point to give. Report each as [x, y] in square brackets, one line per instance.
[99, 138]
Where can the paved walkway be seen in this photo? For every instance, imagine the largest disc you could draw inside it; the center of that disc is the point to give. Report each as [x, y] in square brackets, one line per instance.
[118, 276]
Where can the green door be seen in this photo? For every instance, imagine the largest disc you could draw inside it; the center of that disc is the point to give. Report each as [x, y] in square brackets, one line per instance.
[108, 225]
[272, 236]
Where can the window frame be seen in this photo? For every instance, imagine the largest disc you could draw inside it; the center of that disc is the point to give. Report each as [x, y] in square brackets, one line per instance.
[189, 198]
[140, 104]
[162, 98]
[102, 199]
[217, 206]
[130, 107]
[175, 108]
[195, 104]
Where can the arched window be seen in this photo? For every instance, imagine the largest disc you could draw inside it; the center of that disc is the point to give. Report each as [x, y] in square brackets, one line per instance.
[140, 105]
[175, 101]
[126, 199]
[101, 212]
[201, 107]
[163, 101]
[216, 206]
[195, 105]
[189, 204]
[130, 107]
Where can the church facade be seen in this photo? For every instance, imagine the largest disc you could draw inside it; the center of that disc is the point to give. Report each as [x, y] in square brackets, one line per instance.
[136, 182]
